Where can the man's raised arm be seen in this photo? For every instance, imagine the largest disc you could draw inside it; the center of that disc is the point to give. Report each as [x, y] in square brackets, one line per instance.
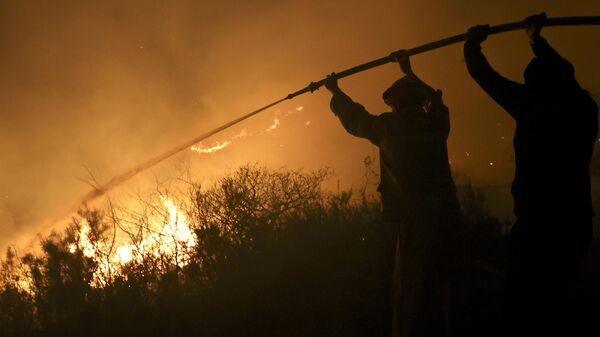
[354, 117]
[542, 49]
[506, 93]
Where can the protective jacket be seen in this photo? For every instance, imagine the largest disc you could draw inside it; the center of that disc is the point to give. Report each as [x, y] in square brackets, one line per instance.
[415, 173]
[556, 129]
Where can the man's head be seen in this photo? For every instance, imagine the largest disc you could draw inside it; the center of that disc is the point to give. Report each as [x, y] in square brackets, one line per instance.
[549, 76]
[405, 93]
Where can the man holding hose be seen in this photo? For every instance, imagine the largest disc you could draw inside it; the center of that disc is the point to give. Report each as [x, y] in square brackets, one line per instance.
[556, 129]
[417, 191]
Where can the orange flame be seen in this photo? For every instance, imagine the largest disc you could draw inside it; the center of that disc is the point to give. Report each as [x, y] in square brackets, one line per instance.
[218, 146]
[213, 149]
[173, 242]
[273, 126]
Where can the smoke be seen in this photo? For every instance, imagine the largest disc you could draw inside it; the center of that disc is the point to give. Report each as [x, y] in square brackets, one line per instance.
[107, 85]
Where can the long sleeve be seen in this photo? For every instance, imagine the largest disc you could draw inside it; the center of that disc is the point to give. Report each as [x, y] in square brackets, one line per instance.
[542, 49]
[508, 94]
[355, 119]
[440, 115]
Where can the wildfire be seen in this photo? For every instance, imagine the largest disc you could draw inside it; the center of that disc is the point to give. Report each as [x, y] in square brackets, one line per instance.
[218, 146]
[273, 126]
[124, 254]
[176, 233]
[172, 242]
[84, 243]
[213, 149]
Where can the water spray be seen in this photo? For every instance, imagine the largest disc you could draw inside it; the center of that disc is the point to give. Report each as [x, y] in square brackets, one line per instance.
[120, 179]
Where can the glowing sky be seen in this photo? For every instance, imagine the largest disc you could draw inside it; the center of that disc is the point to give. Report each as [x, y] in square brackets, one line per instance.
[106, 85]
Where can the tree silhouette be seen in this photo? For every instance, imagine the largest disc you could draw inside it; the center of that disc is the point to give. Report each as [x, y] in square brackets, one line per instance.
[275, 254]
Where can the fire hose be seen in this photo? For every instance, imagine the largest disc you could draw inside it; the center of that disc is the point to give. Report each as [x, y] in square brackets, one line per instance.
[507, 27]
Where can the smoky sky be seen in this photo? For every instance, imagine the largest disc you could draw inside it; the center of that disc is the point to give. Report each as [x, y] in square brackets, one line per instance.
[104, 85]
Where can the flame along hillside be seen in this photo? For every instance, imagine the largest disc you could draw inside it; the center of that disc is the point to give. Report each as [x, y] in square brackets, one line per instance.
[220, 145]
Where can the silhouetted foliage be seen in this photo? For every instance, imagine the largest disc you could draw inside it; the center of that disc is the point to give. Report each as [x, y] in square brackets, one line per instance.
[275, 255]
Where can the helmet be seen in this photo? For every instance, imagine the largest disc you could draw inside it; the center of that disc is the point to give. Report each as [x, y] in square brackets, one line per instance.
[407, 91]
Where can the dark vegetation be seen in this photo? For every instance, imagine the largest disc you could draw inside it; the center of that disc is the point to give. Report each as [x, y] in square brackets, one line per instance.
[276, 255]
